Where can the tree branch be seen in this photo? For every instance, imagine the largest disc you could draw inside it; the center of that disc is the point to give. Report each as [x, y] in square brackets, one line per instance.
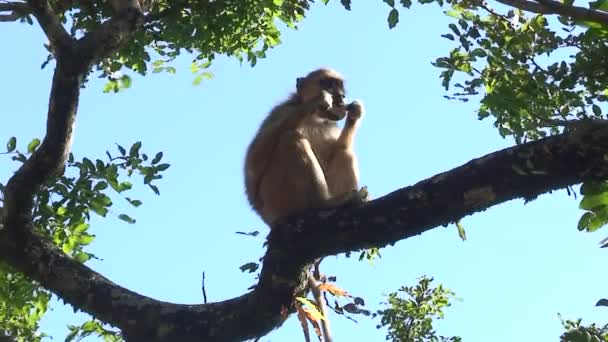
[556, 7]
[17, 9]
[113, 33]
[60, 39]
[524, 171]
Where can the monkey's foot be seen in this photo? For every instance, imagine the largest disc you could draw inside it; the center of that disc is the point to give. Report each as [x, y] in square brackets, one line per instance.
[355, 197]
[359, 196]
[364, 195]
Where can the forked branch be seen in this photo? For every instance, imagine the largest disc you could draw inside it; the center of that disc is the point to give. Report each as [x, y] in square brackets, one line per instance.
[59, 38]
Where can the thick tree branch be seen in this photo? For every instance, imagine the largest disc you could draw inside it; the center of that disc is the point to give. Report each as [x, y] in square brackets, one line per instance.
[556, 7]
[60, 39]
[524, 171]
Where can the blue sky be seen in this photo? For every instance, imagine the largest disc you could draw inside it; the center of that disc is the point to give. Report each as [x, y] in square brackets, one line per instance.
[521, 265]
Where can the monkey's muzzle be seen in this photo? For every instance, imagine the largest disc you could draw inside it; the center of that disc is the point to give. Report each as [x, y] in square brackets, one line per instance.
[336, 113]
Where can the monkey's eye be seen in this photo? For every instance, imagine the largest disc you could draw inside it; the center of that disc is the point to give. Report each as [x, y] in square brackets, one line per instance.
[326, 83]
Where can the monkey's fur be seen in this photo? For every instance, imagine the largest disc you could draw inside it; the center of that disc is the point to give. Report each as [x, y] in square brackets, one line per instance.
[299, 158]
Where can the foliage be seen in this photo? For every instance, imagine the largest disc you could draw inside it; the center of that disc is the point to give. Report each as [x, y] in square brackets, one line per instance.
[62, 212]
[411, 311]
[533, 75]
[22, 304]
[245, 30]
[575, 332]
[89, 328]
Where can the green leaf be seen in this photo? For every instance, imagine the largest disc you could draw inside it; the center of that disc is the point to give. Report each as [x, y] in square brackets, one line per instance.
[593, 188]
[197, 80]
[124, 186]
[81, 228]
[406, 3]
[121, 149]
[99, 210]
[453, 14]
[134, 151]
[31, 147]
[204, 75]
[125, 81]
[585, 220]
[393, 18]
[249, 267]
[162, 167]
[85, 239]
[157, 158]
[154, 188]
[345, 4]
[126, 218]
[11, 144]
[602, 302]
[594, 201]
[461, 231]
[100, 186]
[81, 257]
[479, 53]
[390, 2]
[135, 203]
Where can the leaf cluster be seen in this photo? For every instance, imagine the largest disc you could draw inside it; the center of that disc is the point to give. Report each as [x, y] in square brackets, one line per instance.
[245, 30]
[62, 212]
[411, 311]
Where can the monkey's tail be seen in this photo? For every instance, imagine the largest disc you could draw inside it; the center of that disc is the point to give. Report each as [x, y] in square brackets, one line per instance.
[316, 293]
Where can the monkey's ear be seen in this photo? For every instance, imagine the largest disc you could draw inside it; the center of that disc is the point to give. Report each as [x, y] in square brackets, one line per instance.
[299, 83]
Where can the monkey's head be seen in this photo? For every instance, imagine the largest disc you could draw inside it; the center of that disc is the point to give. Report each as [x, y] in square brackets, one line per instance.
[311, 85]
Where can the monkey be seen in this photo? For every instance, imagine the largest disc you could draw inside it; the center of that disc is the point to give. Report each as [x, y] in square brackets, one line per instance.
[299, 158]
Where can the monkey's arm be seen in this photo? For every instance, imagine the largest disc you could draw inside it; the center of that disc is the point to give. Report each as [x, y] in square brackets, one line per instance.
[294, 114]
[347, 136]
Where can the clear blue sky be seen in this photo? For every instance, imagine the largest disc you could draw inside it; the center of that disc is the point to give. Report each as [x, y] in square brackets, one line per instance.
[521, 265]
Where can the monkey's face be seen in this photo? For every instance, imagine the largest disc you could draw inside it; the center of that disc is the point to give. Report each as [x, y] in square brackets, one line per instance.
[334, 86]
[311, 87]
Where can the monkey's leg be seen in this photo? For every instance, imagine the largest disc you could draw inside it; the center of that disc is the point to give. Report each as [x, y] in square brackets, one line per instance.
[294, 180]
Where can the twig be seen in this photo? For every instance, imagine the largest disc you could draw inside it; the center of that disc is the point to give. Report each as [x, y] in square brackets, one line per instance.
[203, 288]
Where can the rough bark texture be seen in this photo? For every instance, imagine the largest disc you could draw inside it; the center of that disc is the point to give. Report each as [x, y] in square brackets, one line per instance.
[523, 171]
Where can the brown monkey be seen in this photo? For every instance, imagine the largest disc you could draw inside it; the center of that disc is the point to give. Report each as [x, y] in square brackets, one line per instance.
[299, 158]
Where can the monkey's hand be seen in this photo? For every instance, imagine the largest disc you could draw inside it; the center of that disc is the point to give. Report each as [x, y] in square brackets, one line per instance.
[355, 110]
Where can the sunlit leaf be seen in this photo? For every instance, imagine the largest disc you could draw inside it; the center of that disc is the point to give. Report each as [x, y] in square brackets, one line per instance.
[11, 144]
[31, 147]
[126, 218]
